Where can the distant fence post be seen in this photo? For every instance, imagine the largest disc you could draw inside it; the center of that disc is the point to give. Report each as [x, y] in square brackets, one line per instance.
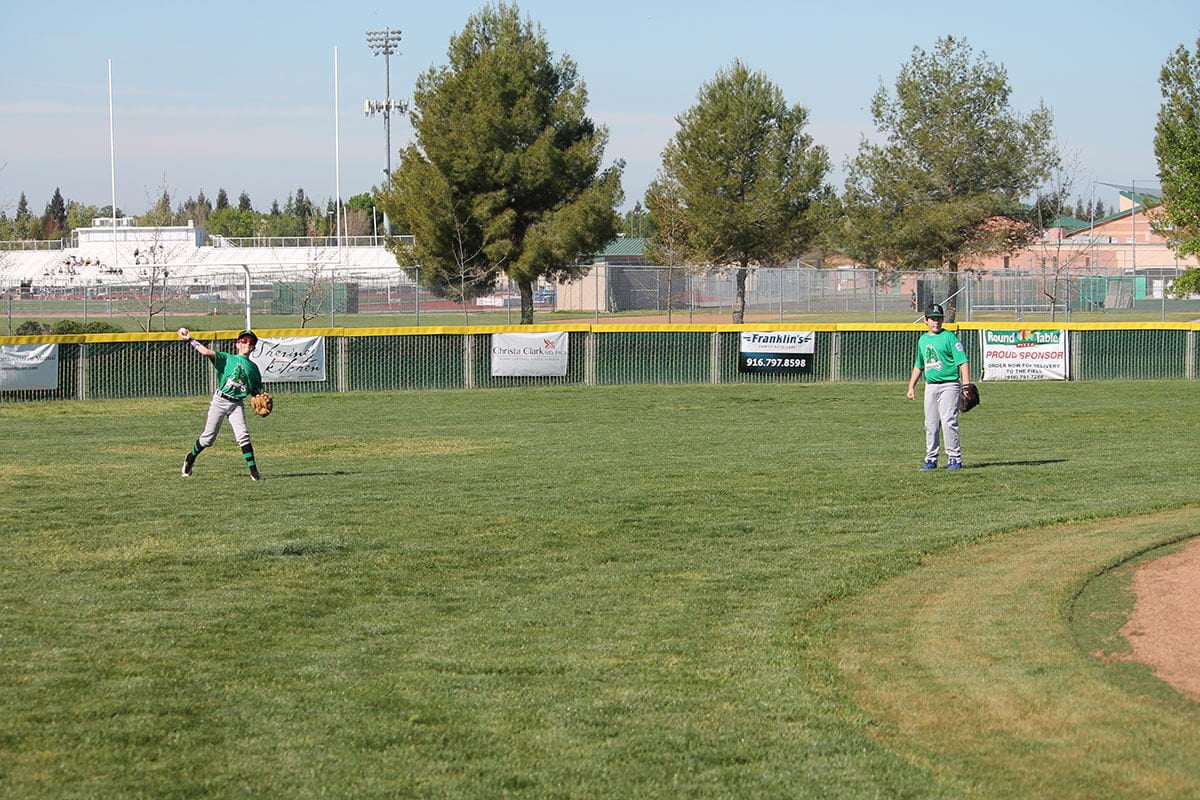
[342, 349]
[835, 357]
[589, 358]
[1189, 369]
[468, 351]
[81, 372]
[1075, 337]
[714, 357]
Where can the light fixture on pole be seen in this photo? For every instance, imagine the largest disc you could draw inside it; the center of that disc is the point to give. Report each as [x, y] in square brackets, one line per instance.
[384, 42]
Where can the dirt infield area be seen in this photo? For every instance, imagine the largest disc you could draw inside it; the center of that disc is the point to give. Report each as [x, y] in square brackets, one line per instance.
[1164, 628]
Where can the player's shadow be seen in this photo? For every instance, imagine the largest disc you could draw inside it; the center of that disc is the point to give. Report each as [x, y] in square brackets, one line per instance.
[1032, 463]
[307, 474]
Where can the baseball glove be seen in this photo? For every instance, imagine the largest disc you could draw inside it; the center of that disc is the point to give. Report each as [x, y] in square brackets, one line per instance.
[969, 397]
[262, 403]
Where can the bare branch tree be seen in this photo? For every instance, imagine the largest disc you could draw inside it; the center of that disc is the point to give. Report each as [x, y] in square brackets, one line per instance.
[316, 291]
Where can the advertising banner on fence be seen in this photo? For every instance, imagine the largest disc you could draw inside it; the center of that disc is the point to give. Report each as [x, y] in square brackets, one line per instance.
[529, 354]
[1024, 355]
[29, 366]
[777, 351]
[294, 359]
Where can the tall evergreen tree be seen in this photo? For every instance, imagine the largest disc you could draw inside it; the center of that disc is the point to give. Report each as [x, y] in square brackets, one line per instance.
[302, 206]
[204, 207]
[54, 220]
[244, 202]
[25, 225]
[744, 177]
[222, 200]
[504, 177]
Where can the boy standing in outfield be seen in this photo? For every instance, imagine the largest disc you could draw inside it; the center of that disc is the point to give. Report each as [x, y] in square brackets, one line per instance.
[942, 360]
[237, 378]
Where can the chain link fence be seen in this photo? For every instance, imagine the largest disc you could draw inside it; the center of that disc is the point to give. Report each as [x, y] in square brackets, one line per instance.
[608, 293]
[158, 364]
[783, 293]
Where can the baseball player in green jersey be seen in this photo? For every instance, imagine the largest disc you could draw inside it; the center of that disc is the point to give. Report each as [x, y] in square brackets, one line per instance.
[237, 378]
[943, 361]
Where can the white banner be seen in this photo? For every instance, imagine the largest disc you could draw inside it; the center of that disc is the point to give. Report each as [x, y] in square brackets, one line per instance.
[29, 366]
[776, 351]
[1025, 355]
[291, 360]
[529, 353]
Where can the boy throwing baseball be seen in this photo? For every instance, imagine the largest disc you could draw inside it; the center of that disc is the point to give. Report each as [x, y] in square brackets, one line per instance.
[943, 361]
[237, 378]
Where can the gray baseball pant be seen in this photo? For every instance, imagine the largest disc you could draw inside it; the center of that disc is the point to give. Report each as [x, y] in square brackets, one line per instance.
[219, 409]
[941, 414]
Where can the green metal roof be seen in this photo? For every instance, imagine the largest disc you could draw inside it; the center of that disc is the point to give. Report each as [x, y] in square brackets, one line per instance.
[624, 246]
[1068, 223]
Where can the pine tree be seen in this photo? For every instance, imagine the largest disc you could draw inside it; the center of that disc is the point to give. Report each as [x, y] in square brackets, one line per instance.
[54, 220]
[744, 176]
[504, 177]
[25, 225]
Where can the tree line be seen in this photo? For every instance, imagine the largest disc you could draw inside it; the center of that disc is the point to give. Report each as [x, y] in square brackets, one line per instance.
[299, 215]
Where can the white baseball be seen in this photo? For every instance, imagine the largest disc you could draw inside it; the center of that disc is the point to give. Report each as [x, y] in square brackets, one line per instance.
[184, 333]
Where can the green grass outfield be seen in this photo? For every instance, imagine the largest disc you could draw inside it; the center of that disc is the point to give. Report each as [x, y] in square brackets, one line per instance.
[618, 592]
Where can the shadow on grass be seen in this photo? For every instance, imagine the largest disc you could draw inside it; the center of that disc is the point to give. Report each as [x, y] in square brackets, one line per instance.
[281, 475]
[1035, 463]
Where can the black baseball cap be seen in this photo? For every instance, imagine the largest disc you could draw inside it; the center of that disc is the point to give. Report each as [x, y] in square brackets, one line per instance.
[935, 310]
[249, 336]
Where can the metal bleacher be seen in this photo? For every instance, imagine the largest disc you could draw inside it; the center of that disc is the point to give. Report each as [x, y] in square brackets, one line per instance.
[96, 257]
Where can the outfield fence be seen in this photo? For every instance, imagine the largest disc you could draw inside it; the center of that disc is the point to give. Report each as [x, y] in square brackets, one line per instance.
[385, 359]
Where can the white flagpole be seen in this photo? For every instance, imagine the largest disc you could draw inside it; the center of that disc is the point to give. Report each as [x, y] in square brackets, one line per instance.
[337, 157]
[112, 162]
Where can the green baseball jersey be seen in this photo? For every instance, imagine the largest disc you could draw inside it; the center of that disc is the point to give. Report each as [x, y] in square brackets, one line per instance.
[940, 355]
[238, 376]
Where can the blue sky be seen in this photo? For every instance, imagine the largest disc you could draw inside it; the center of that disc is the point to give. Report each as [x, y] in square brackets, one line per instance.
[241, 96]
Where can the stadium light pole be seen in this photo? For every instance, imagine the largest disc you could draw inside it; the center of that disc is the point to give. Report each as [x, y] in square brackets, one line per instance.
[1135, 202]
[384, 42]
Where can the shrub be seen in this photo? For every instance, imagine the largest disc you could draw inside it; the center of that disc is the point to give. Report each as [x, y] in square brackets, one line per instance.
[70, 327]
[102, 327]
[66, 327]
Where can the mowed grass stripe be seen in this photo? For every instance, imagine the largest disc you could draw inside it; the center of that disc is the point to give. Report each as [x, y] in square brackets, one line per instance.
[969, 665]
